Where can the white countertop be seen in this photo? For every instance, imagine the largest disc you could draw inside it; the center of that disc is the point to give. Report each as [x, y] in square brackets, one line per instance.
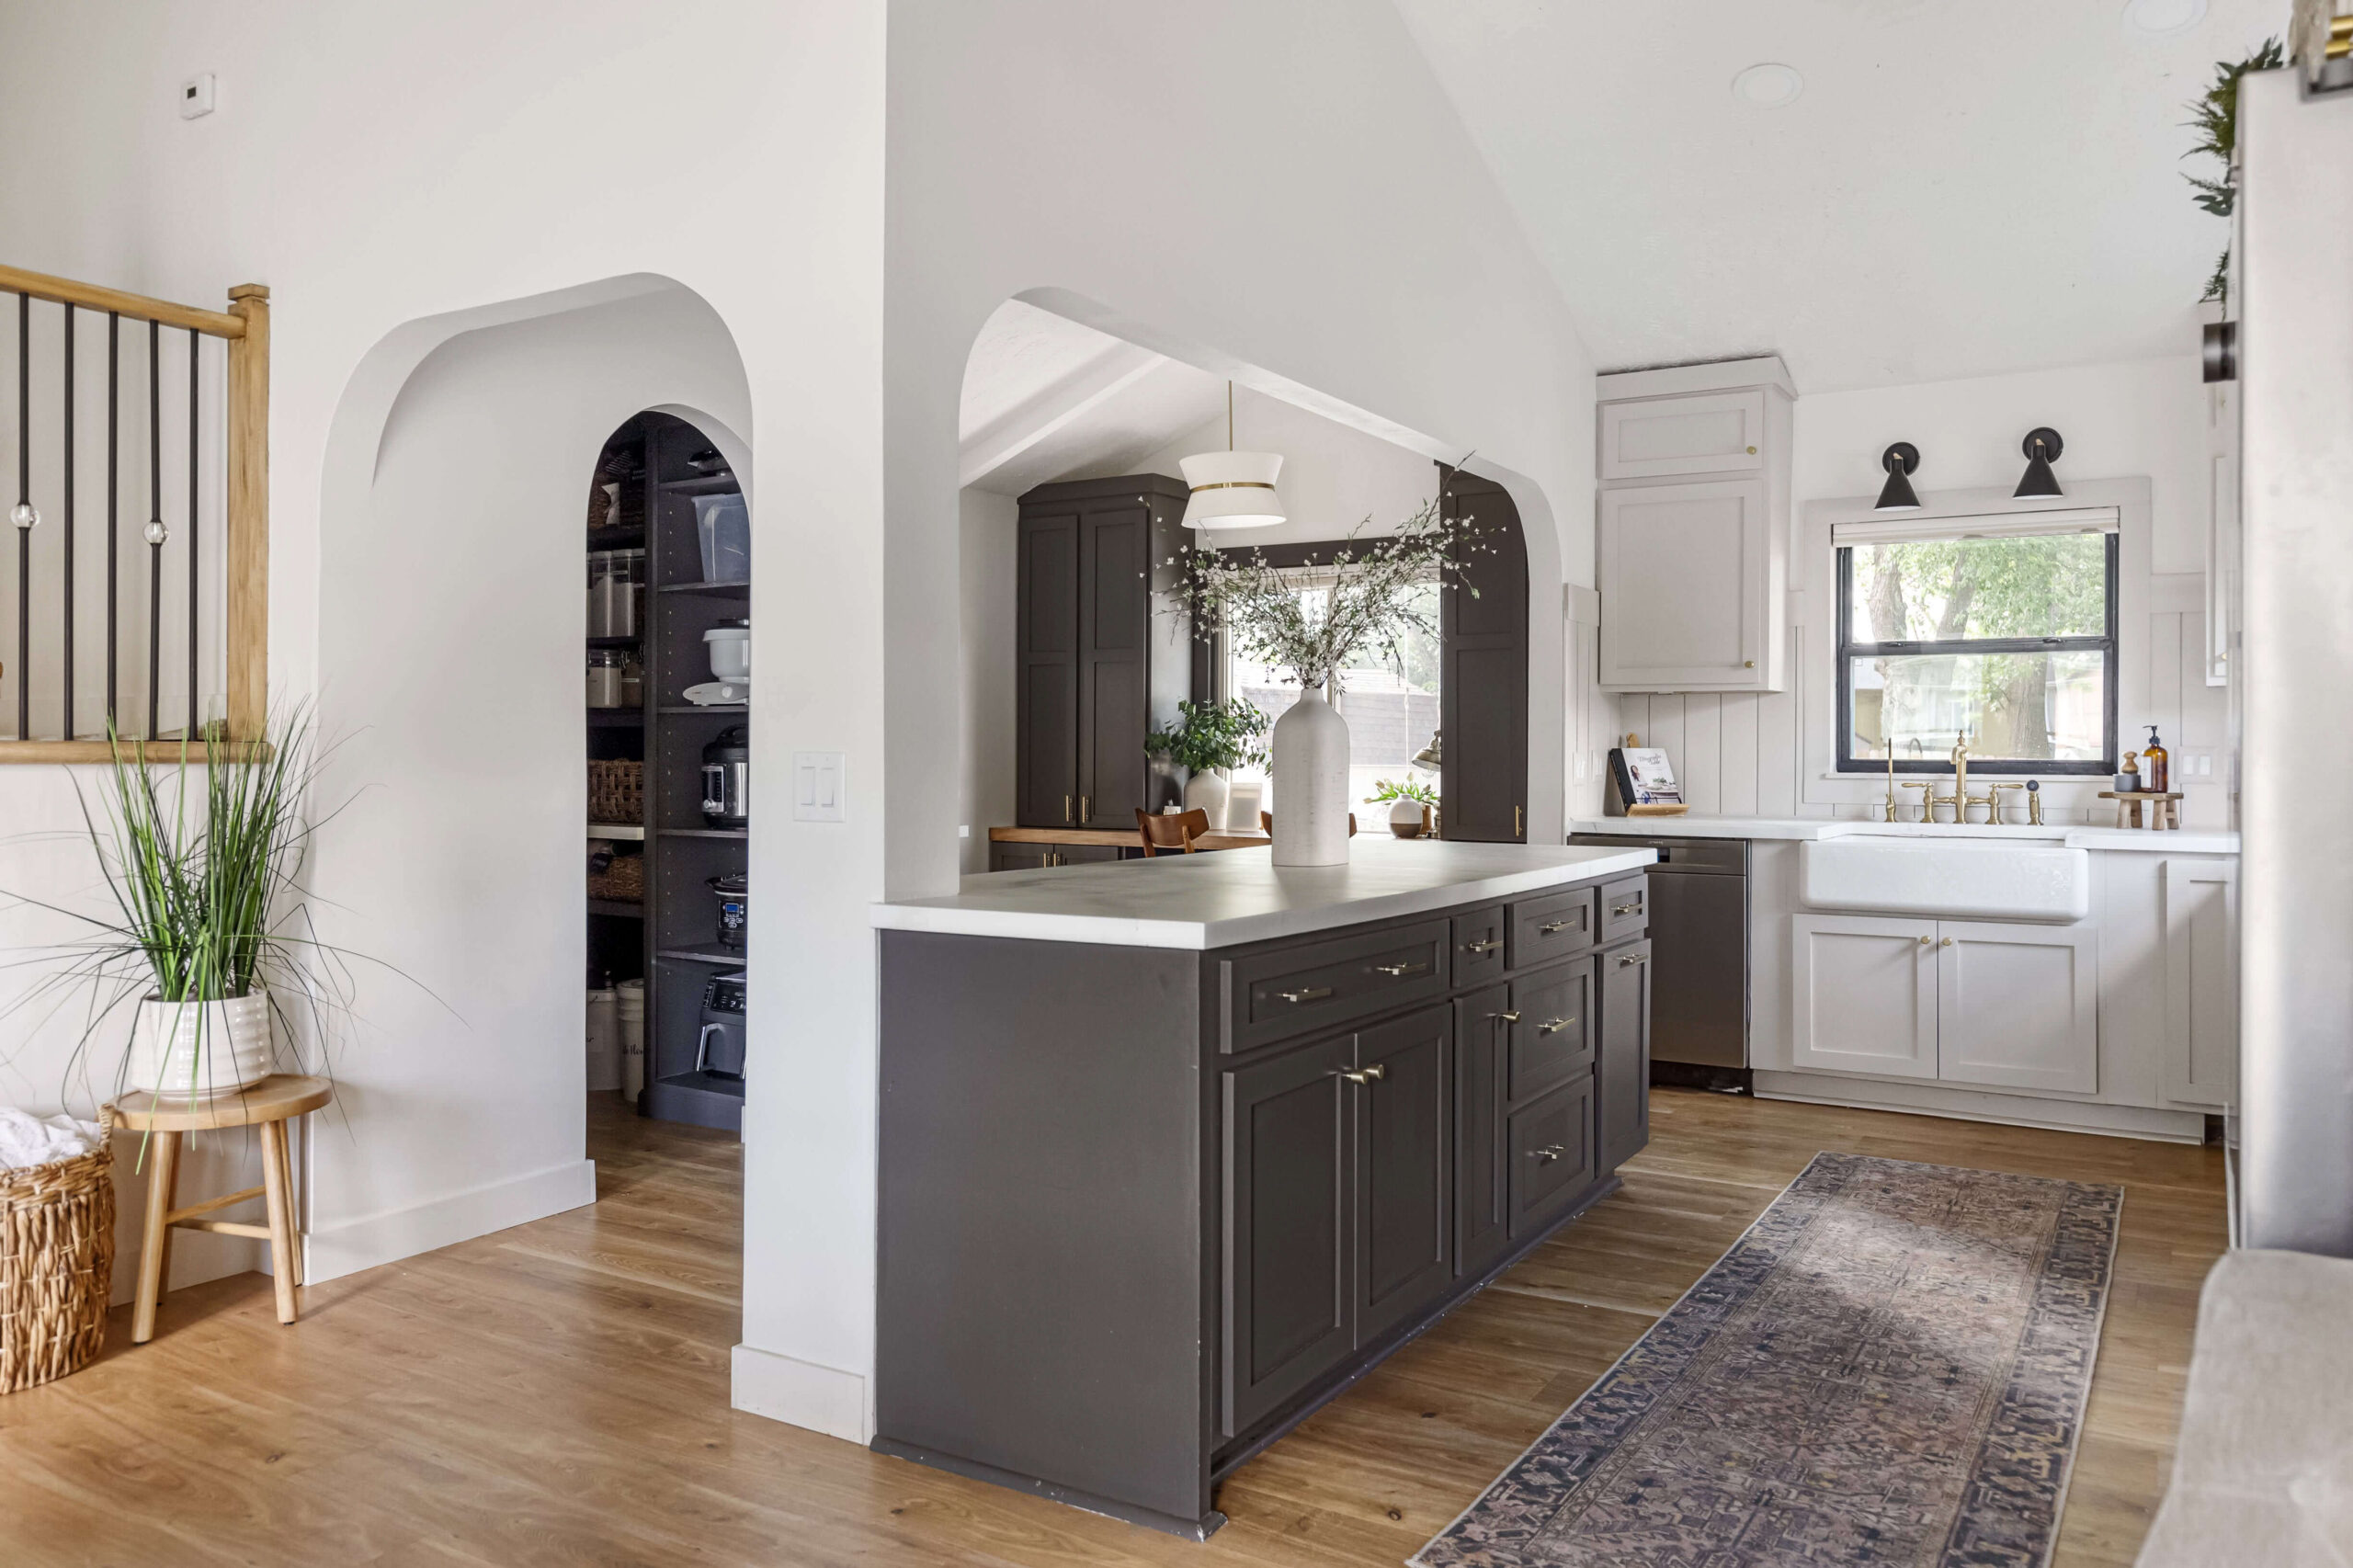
[1239, 895]
[2172, 842]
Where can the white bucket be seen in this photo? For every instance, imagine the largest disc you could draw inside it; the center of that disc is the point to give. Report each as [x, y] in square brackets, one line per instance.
[604, 1040]
[629, 1011]
[204, 1048]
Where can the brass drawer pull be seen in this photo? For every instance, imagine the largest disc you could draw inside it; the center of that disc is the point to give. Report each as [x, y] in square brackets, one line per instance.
[1546, 1155]
[1065, 808]
[1488, 946]
[1372, 1074]
[1633, 958]
[1507, 1017]
[1312, 994]
[1555, 1026]
[1633, 908]
[1085, 814]
[1394, 970]
[1558, 926]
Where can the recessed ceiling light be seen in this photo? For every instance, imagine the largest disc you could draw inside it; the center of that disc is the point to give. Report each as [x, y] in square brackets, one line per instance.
[1768, 86]
[2163, 19]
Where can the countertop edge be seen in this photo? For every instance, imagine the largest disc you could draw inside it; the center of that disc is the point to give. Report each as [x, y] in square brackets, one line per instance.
[1203, 935]
[2111, 840]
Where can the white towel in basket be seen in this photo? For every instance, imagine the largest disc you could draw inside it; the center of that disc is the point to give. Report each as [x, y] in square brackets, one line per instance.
[28, 1140]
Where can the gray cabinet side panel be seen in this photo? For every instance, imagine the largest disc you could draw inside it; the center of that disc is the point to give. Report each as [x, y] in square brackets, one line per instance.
[1040, 1221]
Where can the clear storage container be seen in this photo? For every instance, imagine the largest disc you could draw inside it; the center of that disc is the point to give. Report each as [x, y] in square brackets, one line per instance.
[723, 524]
[604, 677]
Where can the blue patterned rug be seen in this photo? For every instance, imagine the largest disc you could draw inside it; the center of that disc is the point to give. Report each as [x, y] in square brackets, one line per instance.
[1889, 1368]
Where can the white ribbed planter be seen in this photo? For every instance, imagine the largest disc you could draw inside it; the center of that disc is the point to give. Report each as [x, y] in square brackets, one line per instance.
[204, 1048]
[1310, 783]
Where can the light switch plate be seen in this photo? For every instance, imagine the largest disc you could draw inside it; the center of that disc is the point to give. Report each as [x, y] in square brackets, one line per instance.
[820, 783]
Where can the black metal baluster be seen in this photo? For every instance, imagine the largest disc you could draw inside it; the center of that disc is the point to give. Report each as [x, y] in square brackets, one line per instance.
[114, 485]
[156, 531]
[24, 517]
[67, 732]
[195, 565]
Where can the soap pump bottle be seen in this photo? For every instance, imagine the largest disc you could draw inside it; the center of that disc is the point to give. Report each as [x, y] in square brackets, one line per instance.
[2155, 765]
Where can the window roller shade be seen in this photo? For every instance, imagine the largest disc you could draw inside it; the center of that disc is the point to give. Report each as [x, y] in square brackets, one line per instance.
[2014, 525]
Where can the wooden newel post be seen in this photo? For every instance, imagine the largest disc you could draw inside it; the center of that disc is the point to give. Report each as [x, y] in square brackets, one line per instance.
[248, 545]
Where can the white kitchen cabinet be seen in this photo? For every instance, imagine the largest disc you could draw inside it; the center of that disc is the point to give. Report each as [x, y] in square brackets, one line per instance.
[1960, 1001]
[1864, 995]
[1675, 436]
[2200, 900]
[1687, 588]
[1693, 528]
[2018, 1006]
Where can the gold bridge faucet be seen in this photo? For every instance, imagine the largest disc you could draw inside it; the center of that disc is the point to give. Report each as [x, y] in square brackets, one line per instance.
[1961, 800]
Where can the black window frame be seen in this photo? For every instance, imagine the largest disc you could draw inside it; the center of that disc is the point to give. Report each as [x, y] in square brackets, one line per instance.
[1849, 651]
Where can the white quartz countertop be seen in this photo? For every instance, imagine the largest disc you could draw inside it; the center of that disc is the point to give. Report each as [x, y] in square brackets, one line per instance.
[2172, 842]
[1218, 899]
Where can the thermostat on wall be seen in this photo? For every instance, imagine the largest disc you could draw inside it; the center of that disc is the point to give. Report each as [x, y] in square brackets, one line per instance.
[195, 97]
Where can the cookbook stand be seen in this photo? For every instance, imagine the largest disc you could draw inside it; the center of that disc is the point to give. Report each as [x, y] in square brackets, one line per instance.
[1613, 804]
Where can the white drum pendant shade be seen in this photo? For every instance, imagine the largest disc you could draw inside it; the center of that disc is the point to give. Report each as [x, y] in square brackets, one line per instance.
[1232, 490]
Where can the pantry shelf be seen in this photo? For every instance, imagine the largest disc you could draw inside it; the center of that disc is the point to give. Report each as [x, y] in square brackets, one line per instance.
[700, 955]
[710, 590]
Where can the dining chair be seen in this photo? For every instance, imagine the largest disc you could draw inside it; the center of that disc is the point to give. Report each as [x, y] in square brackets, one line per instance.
[1178, 830]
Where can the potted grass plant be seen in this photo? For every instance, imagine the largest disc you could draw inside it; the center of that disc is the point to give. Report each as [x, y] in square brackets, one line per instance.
[199, 855]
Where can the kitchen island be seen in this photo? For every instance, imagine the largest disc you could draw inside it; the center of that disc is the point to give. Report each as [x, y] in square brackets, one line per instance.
[1175, 1149]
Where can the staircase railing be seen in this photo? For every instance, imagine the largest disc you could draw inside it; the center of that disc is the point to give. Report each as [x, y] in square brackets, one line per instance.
[184, 479]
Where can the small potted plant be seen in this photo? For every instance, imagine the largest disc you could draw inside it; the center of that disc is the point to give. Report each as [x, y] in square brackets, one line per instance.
[1209, 738]
[1413, 806]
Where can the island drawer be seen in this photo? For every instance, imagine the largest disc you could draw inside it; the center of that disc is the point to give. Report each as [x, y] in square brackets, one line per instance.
[1289, 991]
[1625, 908]
[1552, 926]
[1478, 947]
[1552, 1029]
[1550, 1144]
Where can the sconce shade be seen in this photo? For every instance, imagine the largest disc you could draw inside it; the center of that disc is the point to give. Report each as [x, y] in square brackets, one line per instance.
[2042, 445]
[1896, 495]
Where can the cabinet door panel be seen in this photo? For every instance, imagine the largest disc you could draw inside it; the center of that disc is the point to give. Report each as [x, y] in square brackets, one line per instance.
[2018, 1006]
[1114, 629]
[1551, 1041]
[2201, 989]
[1623, 1064]
[1720, 433]
[1684, 575]
[1863, 994]
[1289, 1283]
[1479, 1218]
[1046, 700]
[1482, 697]
[1404, 1156]
[1550, 1146]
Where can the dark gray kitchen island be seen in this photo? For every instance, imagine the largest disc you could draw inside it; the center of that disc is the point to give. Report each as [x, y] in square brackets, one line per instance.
[1171, 1150]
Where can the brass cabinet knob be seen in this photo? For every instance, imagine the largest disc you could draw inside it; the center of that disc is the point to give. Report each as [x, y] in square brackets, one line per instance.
[1948, 941]
[1748, 664]
[1372, 1074]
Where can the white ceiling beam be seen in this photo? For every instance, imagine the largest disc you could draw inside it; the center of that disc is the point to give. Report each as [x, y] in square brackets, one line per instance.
[1088, 386]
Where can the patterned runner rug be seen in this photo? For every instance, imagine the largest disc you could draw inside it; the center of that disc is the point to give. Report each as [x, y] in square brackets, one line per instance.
[1889, 1368]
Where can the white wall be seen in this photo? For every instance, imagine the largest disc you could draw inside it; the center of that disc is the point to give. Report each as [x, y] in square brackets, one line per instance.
[988, 556]
[1743, 754]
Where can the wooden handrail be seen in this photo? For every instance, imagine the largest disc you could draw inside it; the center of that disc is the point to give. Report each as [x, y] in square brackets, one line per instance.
[91, 296]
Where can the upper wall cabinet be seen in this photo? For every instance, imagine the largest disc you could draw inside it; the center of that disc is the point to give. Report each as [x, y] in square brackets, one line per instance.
[1693, 528]
[1100, 658]
[1662, 437]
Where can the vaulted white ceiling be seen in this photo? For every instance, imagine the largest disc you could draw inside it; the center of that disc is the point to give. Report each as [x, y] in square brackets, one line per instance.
[1963, 187]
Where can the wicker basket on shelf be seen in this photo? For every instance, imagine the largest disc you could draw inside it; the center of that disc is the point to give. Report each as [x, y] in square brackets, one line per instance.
[56, 1264]
[617, 792]
[623, 880]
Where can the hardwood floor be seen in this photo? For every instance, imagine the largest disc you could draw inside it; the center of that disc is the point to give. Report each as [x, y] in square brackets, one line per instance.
[557, 1394]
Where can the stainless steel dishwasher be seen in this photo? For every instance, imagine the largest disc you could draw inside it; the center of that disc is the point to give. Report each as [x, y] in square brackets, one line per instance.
[1699, 898]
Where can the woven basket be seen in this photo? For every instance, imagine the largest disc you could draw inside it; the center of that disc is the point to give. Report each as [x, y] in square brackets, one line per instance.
[616, 792]
[624, 880]
[56, 1264]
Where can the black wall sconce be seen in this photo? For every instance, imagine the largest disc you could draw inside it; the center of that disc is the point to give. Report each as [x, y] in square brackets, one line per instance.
[1896, 495]
[2041, 446]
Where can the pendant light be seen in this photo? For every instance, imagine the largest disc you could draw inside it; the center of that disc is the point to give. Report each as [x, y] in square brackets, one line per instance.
[2041, 446]
[1231, 489]
[1896, 495]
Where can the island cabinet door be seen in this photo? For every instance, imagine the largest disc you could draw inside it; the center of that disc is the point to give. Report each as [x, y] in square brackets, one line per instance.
[1404, 1097]
[1290, 1243]
[1622, 1065]
[1480, 1031]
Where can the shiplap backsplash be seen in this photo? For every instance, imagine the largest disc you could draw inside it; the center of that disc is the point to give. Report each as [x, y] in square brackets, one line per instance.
[1737, 753]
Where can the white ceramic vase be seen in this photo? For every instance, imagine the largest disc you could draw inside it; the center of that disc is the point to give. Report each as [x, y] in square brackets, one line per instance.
[1310, 783]
[1406, 817]
[203, 1048]
[1208, 791]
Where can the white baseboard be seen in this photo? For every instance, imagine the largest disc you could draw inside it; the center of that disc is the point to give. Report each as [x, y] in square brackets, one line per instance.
[333, 1251]
[1977, 1105]
[802, 1394]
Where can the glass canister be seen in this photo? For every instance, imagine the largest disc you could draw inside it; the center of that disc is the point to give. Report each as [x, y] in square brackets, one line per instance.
[627, 593]
[600, 571]
[604, 677]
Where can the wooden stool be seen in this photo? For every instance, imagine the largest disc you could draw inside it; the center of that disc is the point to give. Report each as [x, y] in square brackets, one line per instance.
[267, 1106]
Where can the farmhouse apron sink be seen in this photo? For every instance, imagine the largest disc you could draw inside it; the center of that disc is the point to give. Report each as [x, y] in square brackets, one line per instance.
[1984, 879]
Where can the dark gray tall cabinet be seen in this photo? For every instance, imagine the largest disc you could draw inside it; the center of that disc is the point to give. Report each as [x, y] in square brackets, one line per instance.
[1103, 651]
[1483, 694]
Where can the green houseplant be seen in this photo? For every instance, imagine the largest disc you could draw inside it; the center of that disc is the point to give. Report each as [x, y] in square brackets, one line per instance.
[1209, 737]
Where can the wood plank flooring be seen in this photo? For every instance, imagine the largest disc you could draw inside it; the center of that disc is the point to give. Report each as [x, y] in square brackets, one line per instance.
[557, 1394]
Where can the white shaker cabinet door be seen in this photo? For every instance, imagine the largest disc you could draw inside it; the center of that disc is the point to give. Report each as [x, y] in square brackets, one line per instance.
[1686, 579]
[2200, 900]
[2018, 1006]
[1864, 995]
[1667, 437]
